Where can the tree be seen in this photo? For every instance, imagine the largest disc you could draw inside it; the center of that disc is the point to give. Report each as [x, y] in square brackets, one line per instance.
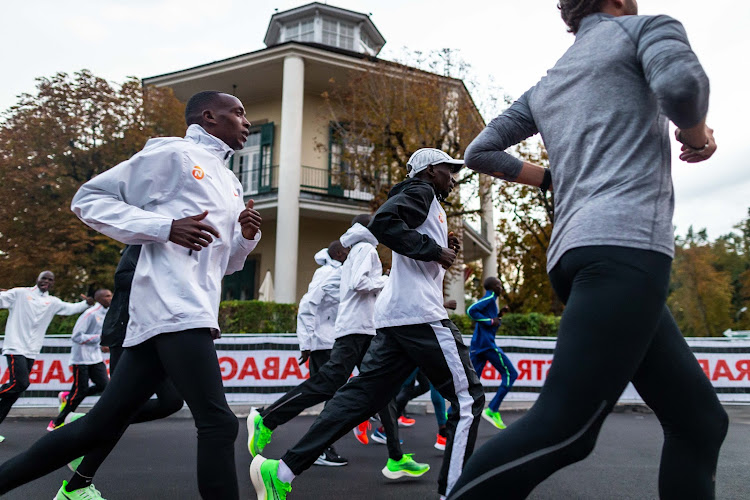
[72, 129]
[524, 233]
[701, 295]
[732, 255]
[379, 116]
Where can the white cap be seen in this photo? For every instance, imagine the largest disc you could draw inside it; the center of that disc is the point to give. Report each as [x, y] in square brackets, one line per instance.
[425, 157]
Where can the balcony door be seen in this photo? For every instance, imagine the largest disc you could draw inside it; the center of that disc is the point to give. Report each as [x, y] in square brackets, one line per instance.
[252, 164]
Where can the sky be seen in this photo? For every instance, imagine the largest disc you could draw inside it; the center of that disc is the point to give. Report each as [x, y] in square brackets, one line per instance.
[512, 42]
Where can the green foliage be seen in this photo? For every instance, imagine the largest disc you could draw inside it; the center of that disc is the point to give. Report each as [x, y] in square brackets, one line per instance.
[253, 316]
[71, 129]
[530, 325]
[521, 325]
[707, 289]
[464, 323]
[235, 316]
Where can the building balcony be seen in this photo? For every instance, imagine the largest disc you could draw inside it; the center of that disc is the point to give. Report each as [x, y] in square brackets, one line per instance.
[314, 181]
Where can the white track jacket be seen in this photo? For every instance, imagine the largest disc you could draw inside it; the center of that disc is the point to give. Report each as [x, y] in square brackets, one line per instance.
[135, 203]
[361, 281]
[307, 334]
[87, 337]
[31, 312]
[323, 311]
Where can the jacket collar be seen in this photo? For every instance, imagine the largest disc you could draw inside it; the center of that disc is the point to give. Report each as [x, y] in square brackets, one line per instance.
[37, 291]
[212, 144]
[590, 21]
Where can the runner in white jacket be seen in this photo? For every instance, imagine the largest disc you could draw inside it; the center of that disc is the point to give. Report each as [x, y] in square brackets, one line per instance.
[412, 331]
[180, 201]
[361, 278]
[86, 358]
[31, 311]
[312, 330]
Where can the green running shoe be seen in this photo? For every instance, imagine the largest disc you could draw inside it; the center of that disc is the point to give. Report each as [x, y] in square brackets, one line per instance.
[406, 467]
[264, 475]
[493, 417]
[258, 435]
[2, 438]
[87, 493]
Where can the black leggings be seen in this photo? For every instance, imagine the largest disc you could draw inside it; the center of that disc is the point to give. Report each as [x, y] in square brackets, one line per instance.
[167, 402]
[616, 328]
[97, 373]
[19, 368]
[189, 359]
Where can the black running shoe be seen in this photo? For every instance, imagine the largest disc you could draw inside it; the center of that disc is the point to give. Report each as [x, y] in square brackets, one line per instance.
[330, 458]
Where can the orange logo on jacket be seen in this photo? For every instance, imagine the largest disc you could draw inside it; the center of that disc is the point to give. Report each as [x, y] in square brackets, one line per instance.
[198, 172]
[440, 218]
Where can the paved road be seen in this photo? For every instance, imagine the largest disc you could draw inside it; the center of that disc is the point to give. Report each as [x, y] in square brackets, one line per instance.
[157, 460]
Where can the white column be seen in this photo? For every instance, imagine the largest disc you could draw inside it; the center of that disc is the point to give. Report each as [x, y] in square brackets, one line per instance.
[454, 289]
[290, 169]
[489, 231]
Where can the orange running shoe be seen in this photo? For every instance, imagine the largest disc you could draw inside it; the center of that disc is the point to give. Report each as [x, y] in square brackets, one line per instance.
[360, 432]
[440, 443]
[406, 421]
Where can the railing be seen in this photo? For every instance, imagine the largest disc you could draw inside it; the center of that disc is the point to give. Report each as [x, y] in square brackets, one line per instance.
[260, 180]
[340, 185]
[314, 180]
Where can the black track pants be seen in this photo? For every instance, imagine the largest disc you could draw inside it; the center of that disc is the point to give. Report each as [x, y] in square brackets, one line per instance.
[318, 359]
[19, 368]
[96, 373]
[167, 402]
[438, 350]
[615, 329]
[189, 359]
[347, 353]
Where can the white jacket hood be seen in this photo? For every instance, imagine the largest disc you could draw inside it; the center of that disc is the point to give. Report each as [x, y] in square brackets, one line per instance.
[323, 258]
[356, 234]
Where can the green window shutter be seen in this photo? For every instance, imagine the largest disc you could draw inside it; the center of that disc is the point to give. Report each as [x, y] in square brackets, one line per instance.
[267, 177]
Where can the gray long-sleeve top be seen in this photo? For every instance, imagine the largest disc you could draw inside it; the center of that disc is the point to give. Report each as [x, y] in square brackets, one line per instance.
[603, 112]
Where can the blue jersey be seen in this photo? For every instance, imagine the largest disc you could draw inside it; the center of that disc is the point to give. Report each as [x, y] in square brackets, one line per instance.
[483, 312]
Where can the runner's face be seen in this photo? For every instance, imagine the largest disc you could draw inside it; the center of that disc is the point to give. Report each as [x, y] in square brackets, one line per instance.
[104, 298]
[231, 125]
[45, 281]
[443, 178]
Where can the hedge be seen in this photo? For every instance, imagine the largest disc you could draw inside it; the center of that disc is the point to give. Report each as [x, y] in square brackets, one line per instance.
[253, 316]
[235, 316]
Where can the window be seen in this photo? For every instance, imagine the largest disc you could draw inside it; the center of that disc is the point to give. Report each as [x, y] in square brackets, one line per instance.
[338, 33]
[240, 285]
[301, 31]
[347, 162]
[252, 164]
[367, 42]
[248, 161]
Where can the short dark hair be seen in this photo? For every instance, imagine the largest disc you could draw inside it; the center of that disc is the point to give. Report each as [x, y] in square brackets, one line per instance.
[572, 11]
[363, 219]
[488, 282]
[197, 104]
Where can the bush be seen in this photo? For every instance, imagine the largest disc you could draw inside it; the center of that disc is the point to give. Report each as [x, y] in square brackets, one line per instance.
[530, 325]
[249, 316]
[464, 323]
[252, 316]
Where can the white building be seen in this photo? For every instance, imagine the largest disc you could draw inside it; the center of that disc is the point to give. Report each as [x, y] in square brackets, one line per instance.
[303, 206]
